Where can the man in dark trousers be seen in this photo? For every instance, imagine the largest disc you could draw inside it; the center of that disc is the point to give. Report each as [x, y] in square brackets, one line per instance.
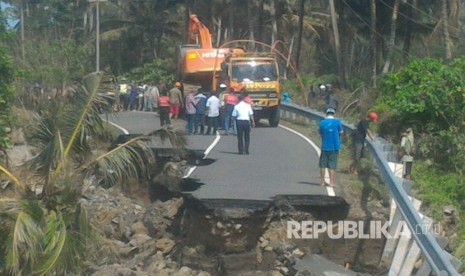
[359, 140]
[244, 120]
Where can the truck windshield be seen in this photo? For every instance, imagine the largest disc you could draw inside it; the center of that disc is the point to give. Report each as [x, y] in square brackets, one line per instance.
[254, 71]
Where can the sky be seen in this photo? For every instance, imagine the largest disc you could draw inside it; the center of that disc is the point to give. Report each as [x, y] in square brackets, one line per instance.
[11, 22]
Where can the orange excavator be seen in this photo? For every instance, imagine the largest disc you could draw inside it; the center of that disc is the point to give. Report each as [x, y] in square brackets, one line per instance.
[256, 73]
[198, 60]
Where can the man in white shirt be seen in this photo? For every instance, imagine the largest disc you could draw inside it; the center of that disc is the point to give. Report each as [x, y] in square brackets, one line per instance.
[213, 113]
[244, 119]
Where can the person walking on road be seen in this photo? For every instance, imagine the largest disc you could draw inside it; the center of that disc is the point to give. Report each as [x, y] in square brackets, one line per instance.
[213, 107]
[407, 145]
[359, 137]
[243, 114]
[330, 131]
[164, 109]
[200, 108]
[176, 102]
[190, 112]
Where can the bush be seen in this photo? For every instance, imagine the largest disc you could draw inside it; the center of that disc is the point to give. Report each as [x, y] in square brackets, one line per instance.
[429, 96]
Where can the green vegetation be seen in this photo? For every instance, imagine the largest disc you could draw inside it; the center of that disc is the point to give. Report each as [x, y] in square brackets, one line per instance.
[45, 231]
[428, 95]
[6, 92]
[53, 48]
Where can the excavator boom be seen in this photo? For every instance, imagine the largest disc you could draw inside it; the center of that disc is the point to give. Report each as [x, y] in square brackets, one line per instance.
[198, 33]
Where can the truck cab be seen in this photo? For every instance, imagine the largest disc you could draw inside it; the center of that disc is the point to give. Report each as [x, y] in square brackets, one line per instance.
[259, 77]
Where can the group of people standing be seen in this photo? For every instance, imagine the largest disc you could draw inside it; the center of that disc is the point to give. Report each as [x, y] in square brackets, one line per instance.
[138, 96]
[331, 131]
[216, 110]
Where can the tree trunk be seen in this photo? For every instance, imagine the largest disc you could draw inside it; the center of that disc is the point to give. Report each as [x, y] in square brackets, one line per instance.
[373, 41]
[231, 21]
[250, 17]
[300, 33]
[446, 36]
[186, 23]
[392, 39]
[23, 52]
[337, 44]
[408, 35]
[274, 24]
[261, 23]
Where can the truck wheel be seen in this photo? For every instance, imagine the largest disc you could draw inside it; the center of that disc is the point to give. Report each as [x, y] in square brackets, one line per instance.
[274, 118]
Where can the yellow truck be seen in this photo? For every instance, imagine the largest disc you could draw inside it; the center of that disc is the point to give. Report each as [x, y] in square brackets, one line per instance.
[258, 75]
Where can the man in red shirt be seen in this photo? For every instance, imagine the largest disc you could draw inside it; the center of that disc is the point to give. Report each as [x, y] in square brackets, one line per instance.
[176, 101]
[230, 100]
[164, 109]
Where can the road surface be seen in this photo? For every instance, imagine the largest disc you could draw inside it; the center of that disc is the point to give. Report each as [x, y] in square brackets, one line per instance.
[281, 163]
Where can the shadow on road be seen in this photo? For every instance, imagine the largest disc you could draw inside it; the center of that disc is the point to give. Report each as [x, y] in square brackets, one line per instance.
[309, 183]
[190, 184]
[230, 152]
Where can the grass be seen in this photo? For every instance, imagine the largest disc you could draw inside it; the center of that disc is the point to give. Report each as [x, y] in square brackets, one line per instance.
[434, 188]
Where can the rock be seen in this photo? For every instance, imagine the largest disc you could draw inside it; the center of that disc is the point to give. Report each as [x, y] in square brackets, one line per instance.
[297, 253]
[237, 226]
[165, 245]
[264, 243]
[203, 273]
[139, 240]
[184, 271]
[127, 252]
[114, 269]
[139, 228]
[268, 249]
[219, 225]
[284, 270]
[276, 273]
[448, 210]
[173, 207]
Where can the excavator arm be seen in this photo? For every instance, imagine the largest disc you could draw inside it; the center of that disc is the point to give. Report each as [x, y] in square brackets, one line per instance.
[198, 33]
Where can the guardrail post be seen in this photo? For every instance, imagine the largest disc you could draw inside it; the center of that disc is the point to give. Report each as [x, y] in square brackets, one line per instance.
[414, 252]
[403, 244]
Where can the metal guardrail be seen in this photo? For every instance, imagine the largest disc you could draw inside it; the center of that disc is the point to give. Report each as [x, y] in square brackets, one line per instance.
[382, 153]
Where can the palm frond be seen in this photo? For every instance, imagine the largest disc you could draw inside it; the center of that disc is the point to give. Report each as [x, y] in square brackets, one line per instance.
[23, 248]
[13, 178]
[130, 160]
[53, 243]
[136, 157]
[92, 82]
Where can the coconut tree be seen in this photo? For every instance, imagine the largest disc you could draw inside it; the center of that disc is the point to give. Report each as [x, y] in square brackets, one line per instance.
[49, 232]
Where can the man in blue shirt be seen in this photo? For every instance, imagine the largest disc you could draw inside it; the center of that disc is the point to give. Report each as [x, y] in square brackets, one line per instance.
[330, 131]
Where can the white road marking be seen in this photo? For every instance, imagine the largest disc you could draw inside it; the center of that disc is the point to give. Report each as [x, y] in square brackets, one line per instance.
[205, 154]
[329, 190]
[125, 131]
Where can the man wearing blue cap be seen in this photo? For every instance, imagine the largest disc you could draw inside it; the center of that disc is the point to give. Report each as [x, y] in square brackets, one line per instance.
[330, 131]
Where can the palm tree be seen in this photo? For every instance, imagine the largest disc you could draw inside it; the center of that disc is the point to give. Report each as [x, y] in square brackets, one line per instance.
[49, 233]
